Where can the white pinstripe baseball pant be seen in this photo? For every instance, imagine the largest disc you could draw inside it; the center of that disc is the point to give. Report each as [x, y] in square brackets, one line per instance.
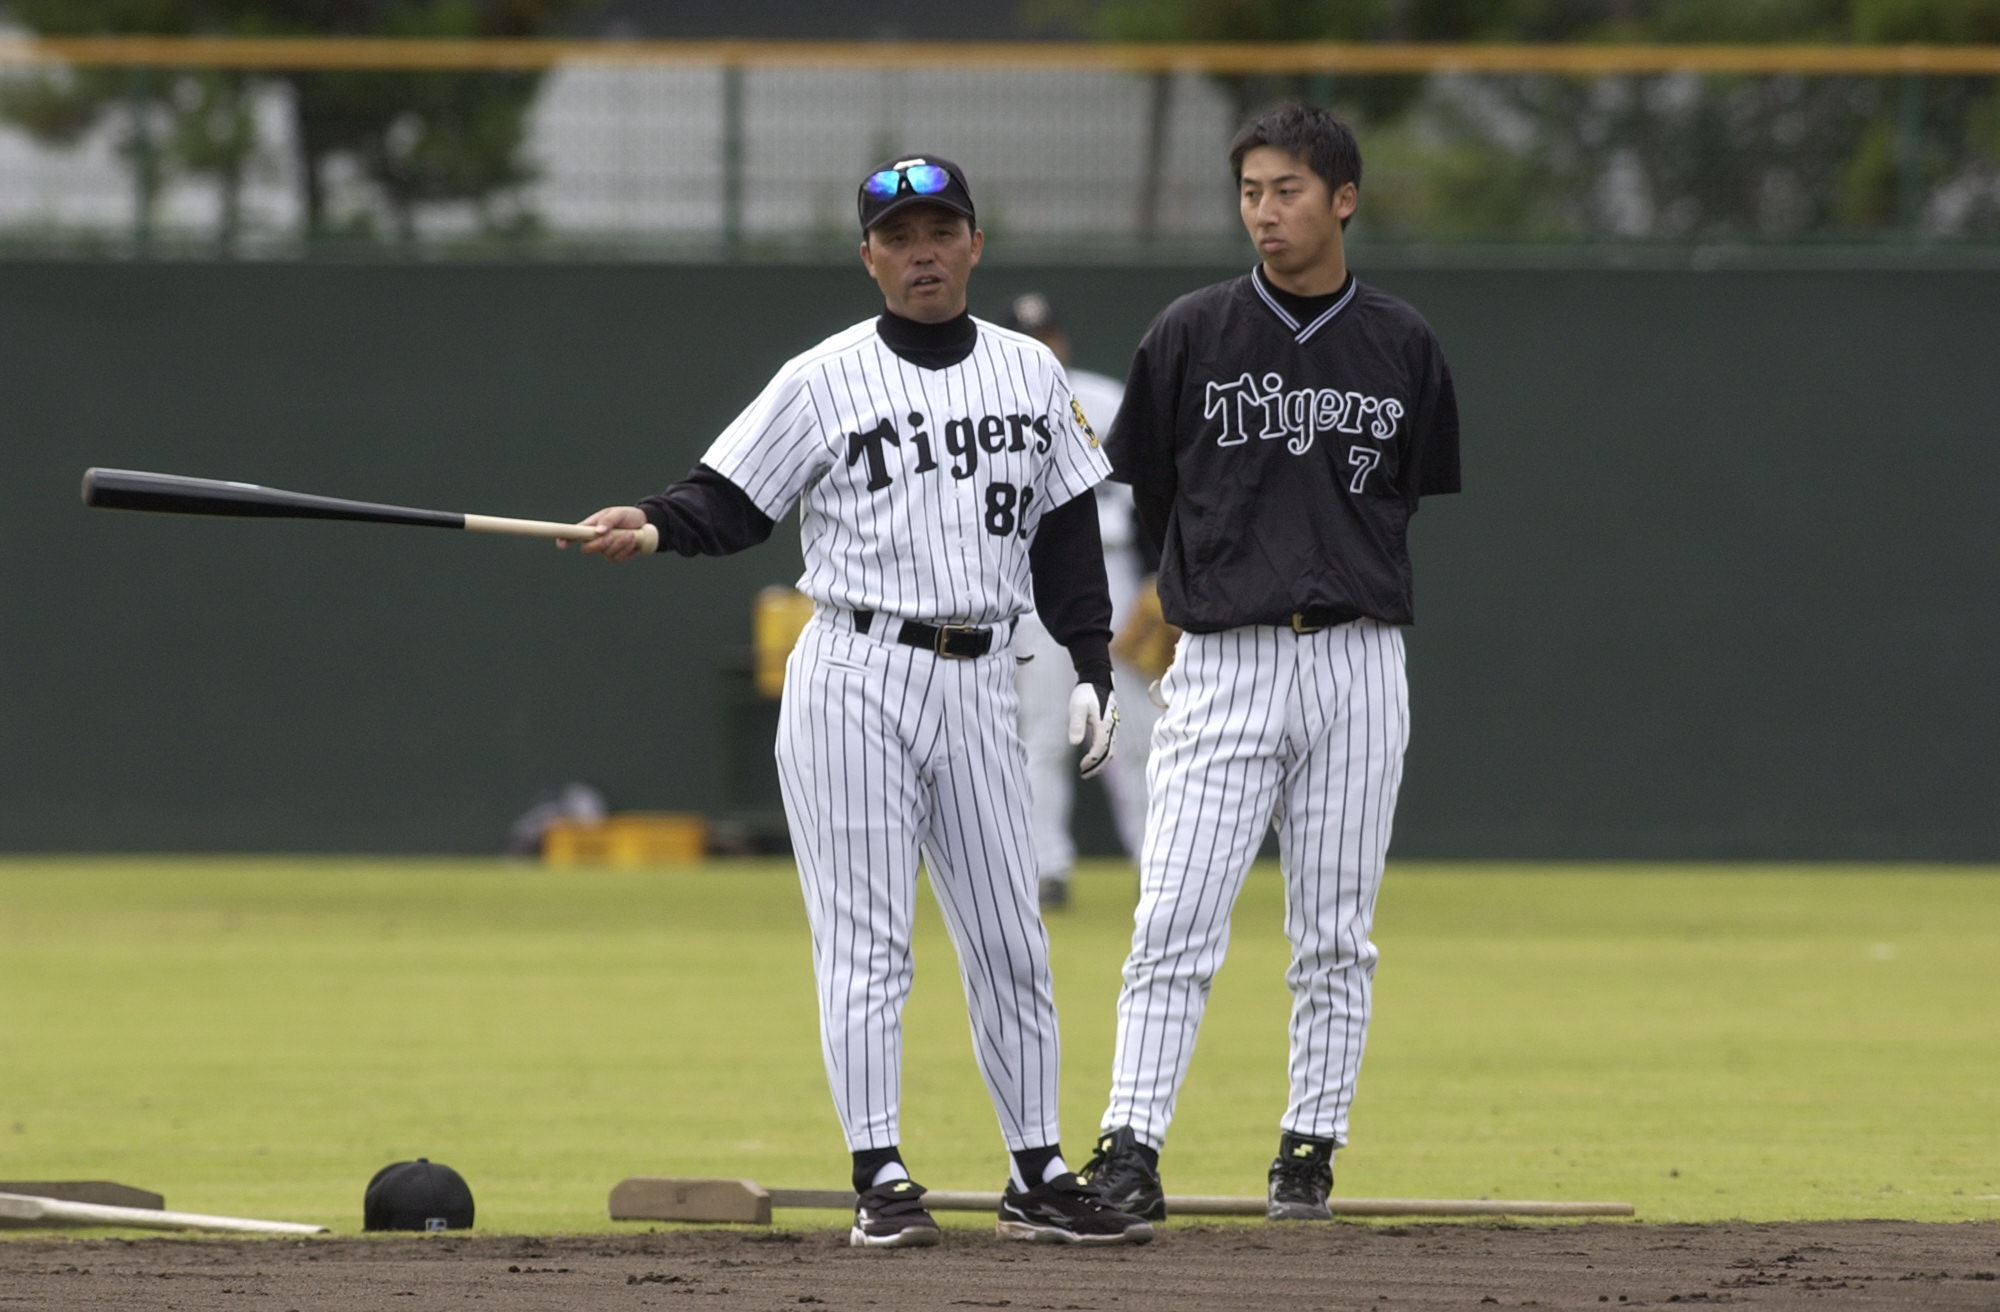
[885, 751]
[1264, 726]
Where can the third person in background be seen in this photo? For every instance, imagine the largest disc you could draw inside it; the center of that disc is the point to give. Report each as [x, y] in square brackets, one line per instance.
[1278, 430]
[1042, 675]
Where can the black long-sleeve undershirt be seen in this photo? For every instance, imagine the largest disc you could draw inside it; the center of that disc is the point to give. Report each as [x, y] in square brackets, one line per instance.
[706, 515]
[1066, 561]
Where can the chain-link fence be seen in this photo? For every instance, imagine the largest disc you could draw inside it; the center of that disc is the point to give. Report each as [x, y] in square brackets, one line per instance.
[745, 150]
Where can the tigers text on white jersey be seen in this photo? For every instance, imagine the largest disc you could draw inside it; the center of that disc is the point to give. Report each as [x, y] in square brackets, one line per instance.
[919, 489]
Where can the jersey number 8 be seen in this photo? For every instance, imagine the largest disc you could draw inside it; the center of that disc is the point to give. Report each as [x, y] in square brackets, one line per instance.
[1007, 507]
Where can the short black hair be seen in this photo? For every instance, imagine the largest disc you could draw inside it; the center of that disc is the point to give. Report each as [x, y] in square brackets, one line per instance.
[1307, 132]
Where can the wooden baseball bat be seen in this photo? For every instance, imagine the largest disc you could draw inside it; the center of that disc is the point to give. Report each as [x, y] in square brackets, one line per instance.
[131, 489]
[27, 1209]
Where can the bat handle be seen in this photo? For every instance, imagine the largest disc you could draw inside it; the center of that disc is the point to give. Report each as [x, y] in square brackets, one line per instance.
[532, 528]
[648, 536]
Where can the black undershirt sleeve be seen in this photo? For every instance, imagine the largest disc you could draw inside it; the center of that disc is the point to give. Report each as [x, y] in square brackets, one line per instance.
[706, 515]
[1066, 561]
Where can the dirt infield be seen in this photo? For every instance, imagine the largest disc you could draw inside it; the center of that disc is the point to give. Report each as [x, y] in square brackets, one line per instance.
[1833, 1266]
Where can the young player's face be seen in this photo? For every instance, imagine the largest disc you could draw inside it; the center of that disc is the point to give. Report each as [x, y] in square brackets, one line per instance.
[1294, 220]
[922, 258]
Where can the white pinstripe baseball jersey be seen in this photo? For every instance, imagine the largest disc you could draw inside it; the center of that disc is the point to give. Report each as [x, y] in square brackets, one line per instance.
[919, 489]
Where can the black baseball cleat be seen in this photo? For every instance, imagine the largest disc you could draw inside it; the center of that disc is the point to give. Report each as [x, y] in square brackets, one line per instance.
[892, 1215]
[1067, 1210]
[1126, 1171]
[1301, 1178]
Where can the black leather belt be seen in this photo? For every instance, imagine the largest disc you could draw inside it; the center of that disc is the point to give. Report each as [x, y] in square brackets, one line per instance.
[958, 641]
[1314, 618]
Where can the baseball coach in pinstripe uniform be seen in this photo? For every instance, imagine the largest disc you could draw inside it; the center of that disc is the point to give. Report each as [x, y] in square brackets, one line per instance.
[942, 471]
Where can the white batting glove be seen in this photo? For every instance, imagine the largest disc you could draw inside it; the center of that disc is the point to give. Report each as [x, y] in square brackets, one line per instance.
[1093, 723]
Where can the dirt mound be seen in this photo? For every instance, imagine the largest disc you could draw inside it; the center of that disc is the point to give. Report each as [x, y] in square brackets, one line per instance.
[1832, 1267]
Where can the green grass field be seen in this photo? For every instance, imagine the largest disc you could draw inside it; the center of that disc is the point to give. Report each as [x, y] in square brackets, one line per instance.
[256, 1037]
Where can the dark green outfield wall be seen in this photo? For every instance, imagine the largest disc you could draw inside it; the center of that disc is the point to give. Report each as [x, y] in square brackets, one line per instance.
[1723, 585]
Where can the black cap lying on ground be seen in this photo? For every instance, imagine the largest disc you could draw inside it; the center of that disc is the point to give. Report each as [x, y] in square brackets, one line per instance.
[419, 1195]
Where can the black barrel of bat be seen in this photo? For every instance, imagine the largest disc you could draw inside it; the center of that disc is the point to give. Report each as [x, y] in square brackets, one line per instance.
[122, 489]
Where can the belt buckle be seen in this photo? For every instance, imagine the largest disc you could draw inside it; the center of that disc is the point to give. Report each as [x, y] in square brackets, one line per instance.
[944, 632]
[1299, 624]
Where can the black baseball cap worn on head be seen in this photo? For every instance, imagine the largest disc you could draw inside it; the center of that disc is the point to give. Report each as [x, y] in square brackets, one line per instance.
[419, 1195]
[912, 180]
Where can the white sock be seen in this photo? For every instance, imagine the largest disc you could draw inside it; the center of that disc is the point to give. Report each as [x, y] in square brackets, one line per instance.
[1057, 1166]
[890, 1171]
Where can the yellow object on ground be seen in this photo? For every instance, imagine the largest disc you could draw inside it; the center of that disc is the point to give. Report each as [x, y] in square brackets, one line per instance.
[627, 839]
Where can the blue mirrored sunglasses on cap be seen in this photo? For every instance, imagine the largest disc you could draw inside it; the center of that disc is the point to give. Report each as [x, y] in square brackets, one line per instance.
[923, 179]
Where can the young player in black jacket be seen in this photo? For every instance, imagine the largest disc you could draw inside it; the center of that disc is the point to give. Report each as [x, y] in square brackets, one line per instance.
[1278, 430]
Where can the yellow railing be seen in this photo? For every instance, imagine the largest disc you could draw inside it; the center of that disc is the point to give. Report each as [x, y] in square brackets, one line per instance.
[1299, 57]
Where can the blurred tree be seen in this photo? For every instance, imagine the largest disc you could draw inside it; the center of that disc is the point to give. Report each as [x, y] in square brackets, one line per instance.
[62, 108]
[420, 138]
[211, 131]
[1946, 22]
[1226, 20]
[1677, 155]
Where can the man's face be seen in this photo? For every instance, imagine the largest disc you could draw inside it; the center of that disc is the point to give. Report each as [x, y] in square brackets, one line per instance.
[922, 257]
[1291, 218]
